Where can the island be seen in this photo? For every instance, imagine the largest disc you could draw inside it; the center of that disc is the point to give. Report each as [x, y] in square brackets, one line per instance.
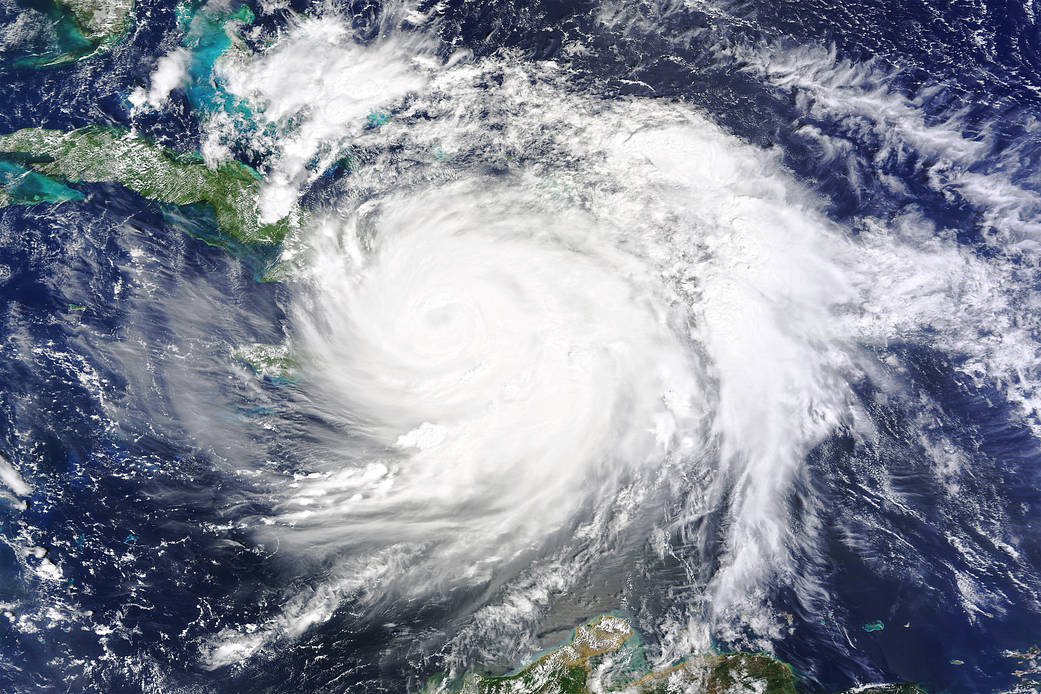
[50, 159]
[274, 363]
[570, 670]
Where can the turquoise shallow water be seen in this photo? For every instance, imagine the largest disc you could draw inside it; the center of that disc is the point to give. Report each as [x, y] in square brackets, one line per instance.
[69, 43]
[27, 187]
[208, 34]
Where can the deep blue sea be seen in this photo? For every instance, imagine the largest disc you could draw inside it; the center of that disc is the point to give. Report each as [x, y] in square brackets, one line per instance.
[141, 560]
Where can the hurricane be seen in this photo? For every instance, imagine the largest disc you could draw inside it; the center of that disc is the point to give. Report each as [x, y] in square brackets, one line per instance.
[367, 347]
[516, 351]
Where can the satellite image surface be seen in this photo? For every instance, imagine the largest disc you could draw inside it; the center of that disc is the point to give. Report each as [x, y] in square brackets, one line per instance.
[520, 346]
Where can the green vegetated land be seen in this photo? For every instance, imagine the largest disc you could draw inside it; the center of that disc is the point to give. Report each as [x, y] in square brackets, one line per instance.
[569, 670]
[273, 362]
[79, 28]
[106, 154]
[100, 21]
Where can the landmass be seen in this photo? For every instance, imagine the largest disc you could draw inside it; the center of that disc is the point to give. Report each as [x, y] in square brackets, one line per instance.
[1028, 670]
[21, 186]
[79, 28]
[580, 668]
[115, 155]
[273, 362]
[102, 22]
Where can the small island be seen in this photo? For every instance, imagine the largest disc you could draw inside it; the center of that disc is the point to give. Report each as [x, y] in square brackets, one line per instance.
[574, 669]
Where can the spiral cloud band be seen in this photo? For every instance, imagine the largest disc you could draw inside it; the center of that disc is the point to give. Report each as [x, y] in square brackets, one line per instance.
[500, 365]
[532, 324]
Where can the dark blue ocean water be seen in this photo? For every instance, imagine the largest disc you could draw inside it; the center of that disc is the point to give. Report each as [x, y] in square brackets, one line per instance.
[94, 411]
